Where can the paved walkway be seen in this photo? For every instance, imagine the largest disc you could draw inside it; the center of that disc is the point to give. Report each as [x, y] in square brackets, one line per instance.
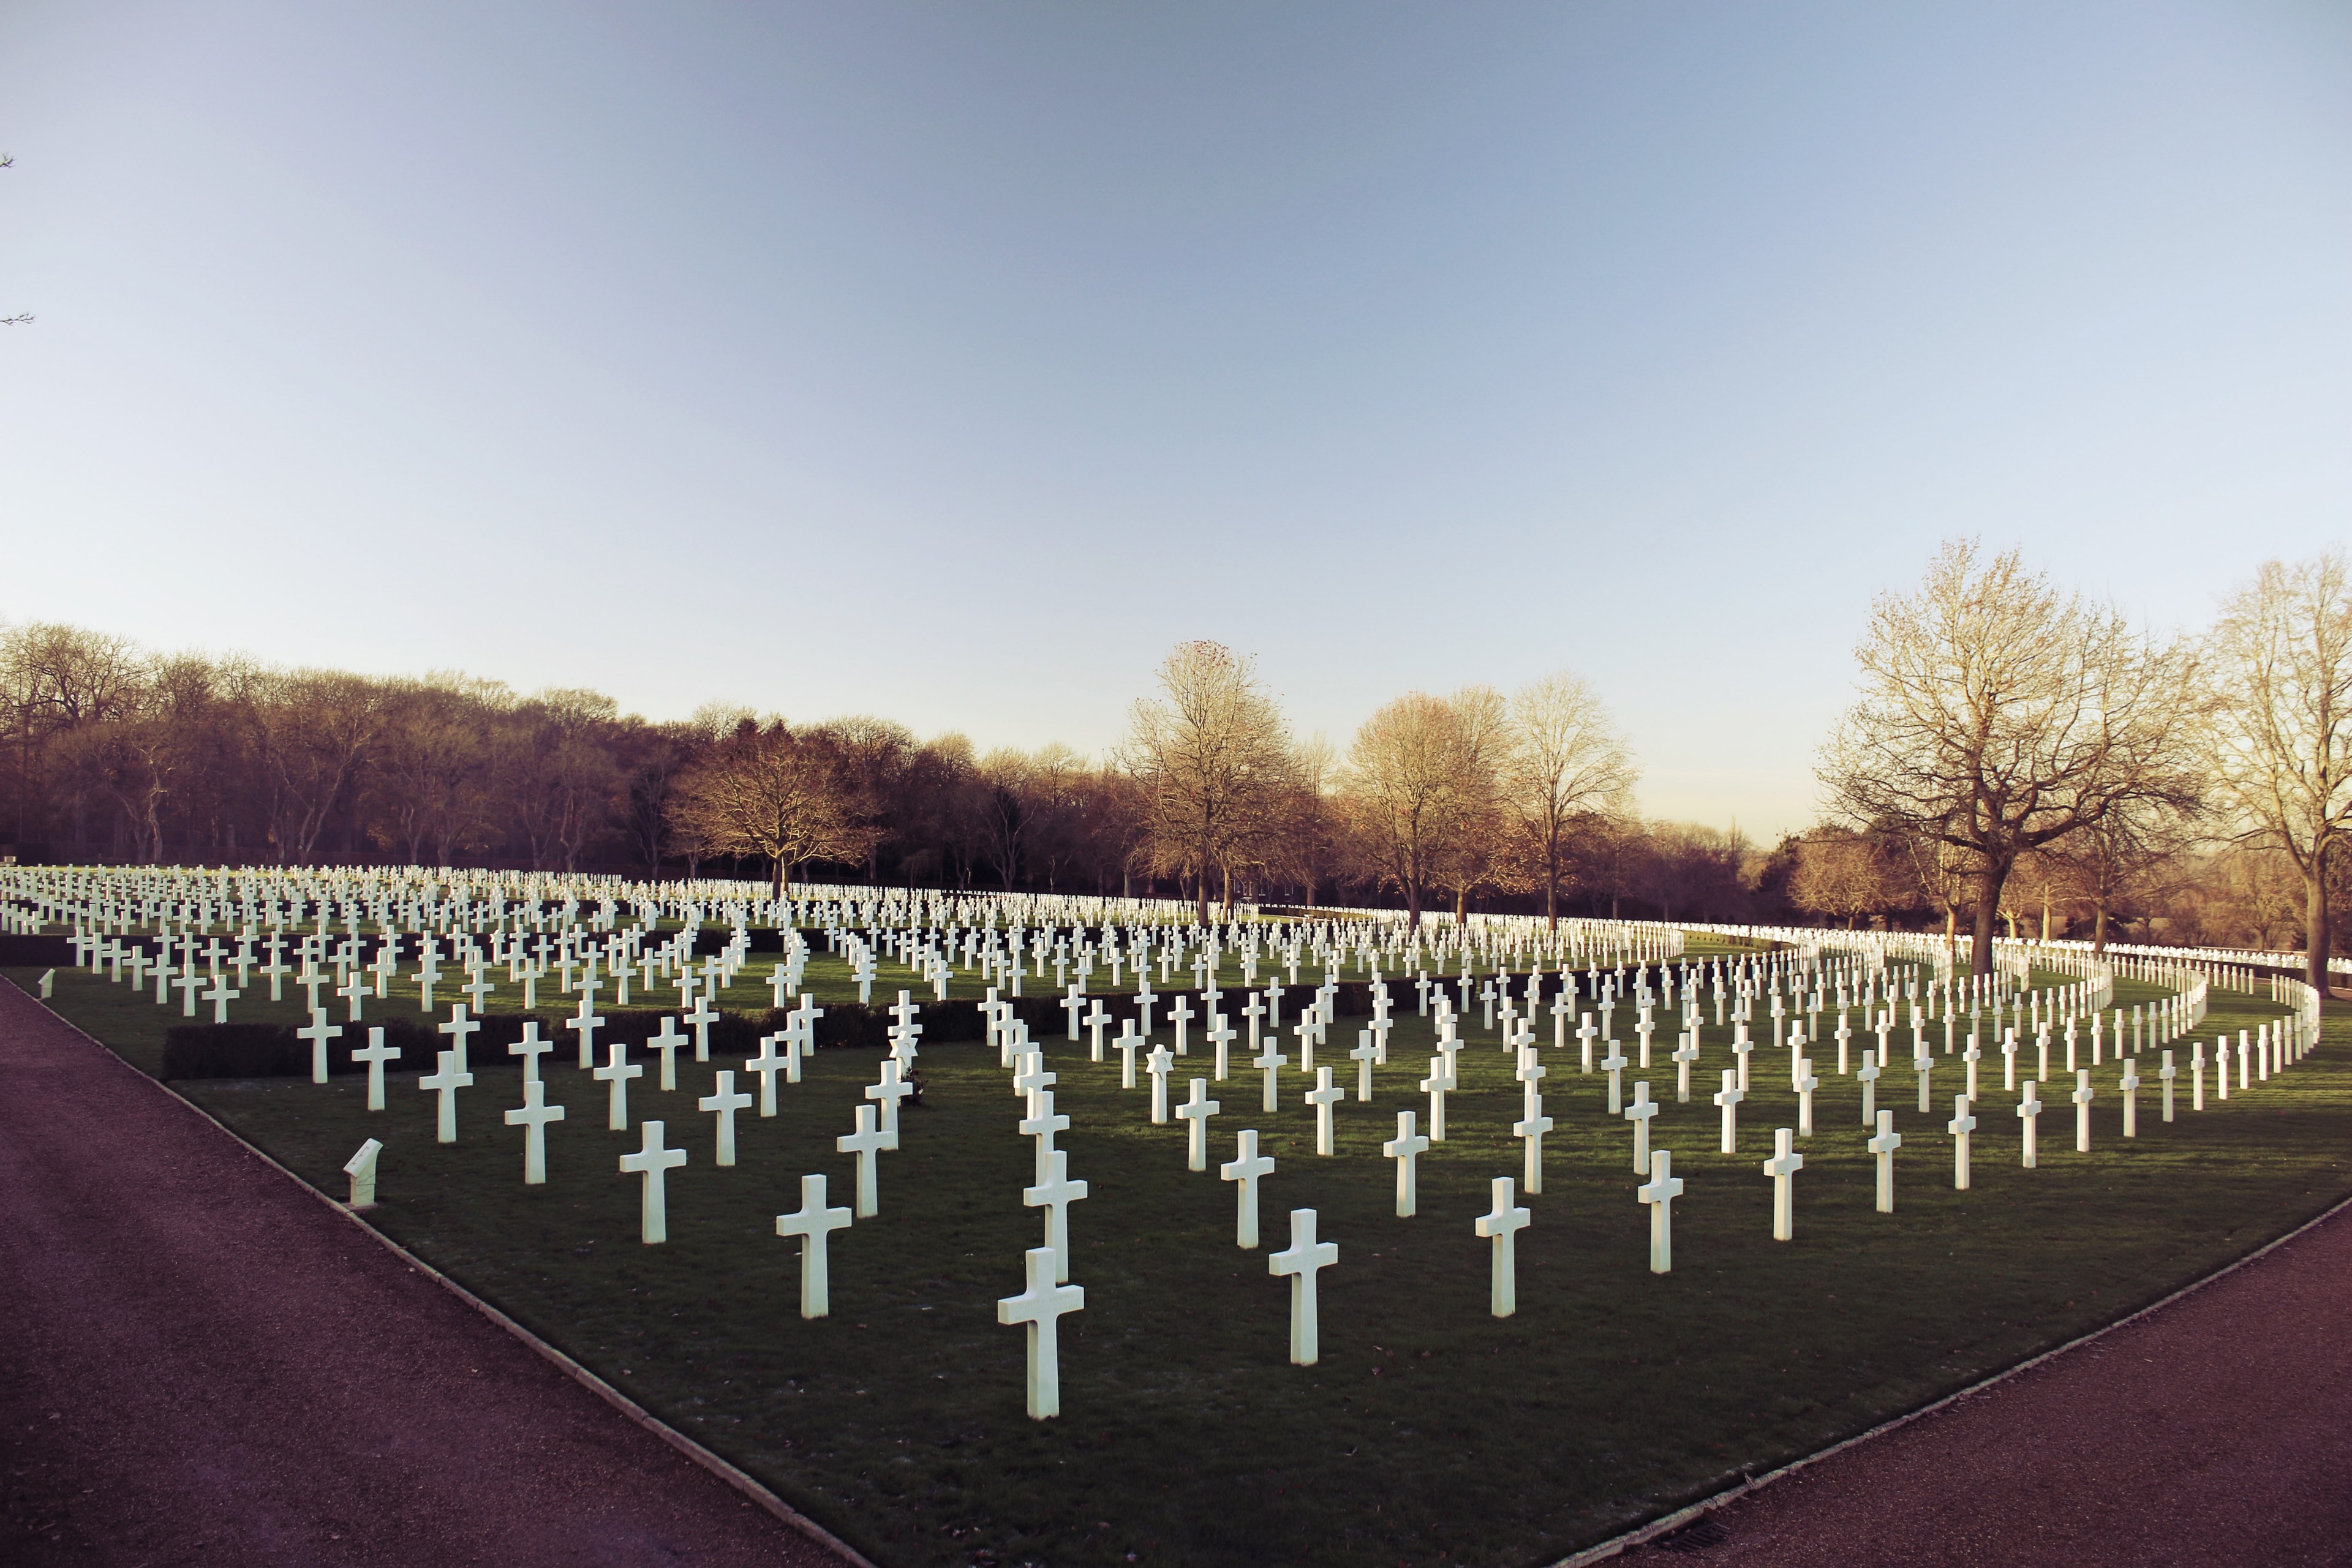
[200, 1363]
[2217, 1430]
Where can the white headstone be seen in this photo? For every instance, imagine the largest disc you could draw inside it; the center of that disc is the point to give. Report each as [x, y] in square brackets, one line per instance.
[1040, 1308]
[653, 1162]
[814, 1223]
[1244, 1168]
[1405, 1149]
[1502, 1224]
[532, 1116]
[1302, 1261]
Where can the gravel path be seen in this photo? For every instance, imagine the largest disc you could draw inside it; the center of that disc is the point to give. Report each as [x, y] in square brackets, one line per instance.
[203, 1364]
[2216, 1430]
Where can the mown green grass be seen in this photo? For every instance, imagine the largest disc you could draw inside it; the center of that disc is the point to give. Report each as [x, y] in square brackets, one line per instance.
[1430, 1431]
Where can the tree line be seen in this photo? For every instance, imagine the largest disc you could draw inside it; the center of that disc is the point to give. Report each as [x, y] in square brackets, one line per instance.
[2017, 755]
[2017, 752]
[1468, 800]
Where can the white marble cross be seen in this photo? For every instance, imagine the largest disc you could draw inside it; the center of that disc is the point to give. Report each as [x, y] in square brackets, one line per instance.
[1245, 1167]
[1405, 1149]
[587, 1021]
[1884, 1146]
[531, 1047]
[868, 1143]
[668, 1042]
[2082, 1098]
[1040, 1308]
[1867, 1076]
[616, 1075]
[1220, 1035]
[1729, 1101]
[1782, 1167]
[1270, 1061]
[814, 1223]
[2029, 1111]
[461, 1030]
[220, 997]
[1501, 1224]
[1659, 1193]
[446, 1082]
[1302, 1261]
[1685, 1053]
[1530, 1129]
[1961, 1124]
[350, 991]
[1196, 1112]
[1096, 1020]
[2164, 1076]
[374, 1054]
[532, 1116]
[1323, 1097]
[1054, 1195]
[1806, 1084]
[723, 1101]
[1363, 1056]
[2130, 1085]
[1614, 1064]
[653, 1162]
[767, 1064]
[889, 1092]
[1180, 1015]
[1128, 1043]
[319, 1032]
[1041, 1123]
[701, 1019]
[1639, 1114]
[1437, 1085]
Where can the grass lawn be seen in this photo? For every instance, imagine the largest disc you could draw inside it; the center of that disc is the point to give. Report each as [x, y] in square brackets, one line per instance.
[1430, 1431]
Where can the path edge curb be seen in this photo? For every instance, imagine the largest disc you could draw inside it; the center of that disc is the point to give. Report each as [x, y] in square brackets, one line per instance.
[734, 1475]
[1668, 1524]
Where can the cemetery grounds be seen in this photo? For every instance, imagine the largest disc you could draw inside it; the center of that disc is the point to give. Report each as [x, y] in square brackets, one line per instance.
[1430, 1431]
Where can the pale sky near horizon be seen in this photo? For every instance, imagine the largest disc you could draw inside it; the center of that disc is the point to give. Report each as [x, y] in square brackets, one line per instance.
[950, 362]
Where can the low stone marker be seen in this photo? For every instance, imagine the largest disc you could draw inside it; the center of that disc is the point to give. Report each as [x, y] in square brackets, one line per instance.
[360, 1169]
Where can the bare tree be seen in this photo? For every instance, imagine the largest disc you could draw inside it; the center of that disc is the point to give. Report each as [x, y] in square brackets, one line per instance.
[1212, 756]
[2282, 672]
[1472, 843]
[1419, 787]
[2120, 860]
[769, 793]
[1840, 875]
[1003, 775]
[1566, 760]
[2001, 716]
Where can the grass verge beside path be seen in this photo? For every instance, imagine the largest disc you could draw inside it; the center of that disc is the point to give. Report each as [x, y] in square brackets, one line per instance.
[1430, 1431]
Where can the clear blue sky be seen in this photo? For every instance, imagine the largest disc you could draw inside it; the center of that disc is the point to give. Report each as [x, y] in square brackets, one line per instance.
[951, 361]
